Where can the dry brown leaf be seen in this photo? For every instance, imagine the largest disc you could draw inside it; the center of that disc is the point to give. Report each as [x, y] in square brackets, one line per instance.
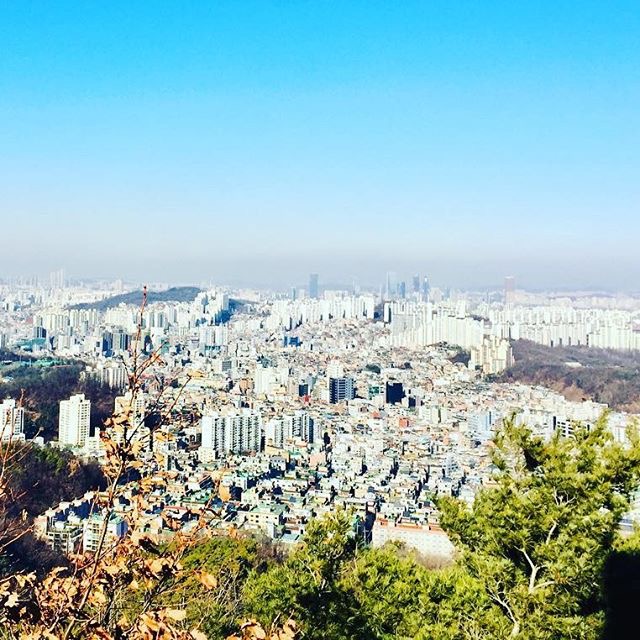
[150, 623]
[176, 614]
[288, 631]
[254, 630]
[207, 579]
[155, 566]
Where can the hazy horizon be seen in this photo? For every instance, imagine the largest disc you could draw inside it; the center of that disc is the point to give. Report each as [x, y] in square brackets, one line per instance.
[259, 141]
[283, 279]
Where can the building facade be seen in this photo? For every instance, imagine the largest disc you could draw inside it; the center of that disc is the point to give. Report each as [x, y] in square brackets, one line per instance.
[75, 417]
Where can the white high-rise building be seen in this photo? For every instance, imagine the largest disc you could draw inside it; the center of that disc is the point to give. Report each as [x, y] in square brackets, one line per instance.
[75, 415]
[113, 374]
[11, 422]
[299, 426]
[57, 279]
[263, 380]
[234, 433]
[268, 379]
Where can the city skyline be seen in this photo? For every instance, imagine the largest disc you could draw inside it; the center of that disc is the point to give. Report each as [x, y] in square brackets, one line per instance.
[251, 141]
[294, 284]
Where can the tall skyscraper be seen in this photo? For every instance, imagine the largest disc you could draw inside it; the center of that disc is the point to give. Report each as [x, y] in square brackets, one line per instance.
[75, 416]
[416, 283]
[509, 290]
[426, 288]
[313, 286]
[391, 285]
[57, 279]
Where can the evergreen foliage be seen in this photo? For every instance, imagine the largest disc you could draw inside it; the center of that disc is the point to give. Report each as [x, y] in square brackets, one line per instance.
[534, 550]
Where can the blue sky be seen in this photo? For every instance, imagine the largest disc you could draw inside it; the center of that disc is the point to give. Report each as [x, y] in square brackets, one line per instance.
[263, 140]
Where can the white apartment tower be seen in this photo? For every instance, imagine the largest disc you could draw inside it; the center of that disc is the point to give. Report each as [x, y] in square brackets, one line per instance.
[299, 426]
[74, 421]
[335, 369]
[234, 433]
[11, 421]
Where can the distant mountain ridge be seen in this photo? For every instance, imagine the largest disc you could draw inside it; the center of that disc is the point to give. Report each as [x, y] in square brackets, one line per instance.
[174, 294]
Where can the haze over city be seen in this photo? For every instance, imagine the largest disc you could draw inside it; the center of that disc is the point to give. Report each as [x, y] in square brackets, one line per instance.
[256, 142]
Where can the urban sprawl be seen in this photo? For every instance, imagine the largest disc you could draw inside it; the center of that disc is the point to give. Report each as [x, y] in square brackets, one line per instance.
[277, 408]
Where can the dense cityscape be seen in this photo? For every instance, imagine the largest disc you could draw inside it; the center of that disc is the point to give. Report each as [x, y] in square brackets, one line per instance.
[285, 407]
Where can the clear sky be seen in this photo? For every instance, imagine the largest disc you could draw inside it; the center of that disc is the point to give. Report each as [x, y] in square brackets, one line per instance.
[223, 140]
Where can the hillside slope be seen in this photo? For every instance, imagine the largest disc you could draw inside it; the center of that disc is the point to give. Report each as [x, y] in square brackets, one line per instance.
[174, 294]
[603, 375]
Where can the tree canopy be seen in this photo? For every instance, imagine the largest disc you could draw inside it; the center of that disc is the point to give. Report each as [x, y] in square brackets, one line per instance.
[533, 552]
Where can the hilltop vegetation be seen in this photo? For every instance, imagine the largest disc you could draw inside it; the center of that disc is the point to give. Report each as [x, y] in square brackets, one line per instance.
[10, 356]
[533, 555]
[608, 376]
[174, 294]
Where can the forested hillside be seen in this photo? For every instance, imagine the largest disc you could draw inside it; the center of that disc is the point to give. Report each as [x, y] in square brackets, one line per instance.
[173, 294]
[42, 388]
[40, 478]
[611, 377]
